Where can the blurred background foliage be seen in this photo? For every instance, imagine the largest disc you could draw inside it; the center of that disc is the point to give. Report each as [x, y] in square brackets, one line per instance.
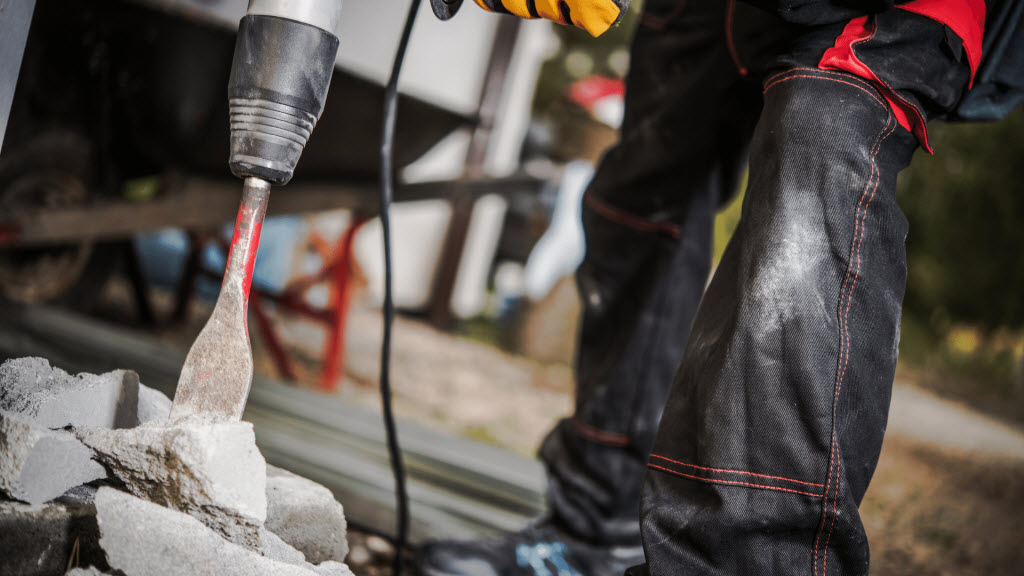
[964, 310]
[579, 55]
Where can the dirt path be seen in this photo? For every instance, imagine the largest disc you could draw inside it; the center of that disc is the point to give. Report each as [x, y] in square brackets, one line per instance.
[922, 416]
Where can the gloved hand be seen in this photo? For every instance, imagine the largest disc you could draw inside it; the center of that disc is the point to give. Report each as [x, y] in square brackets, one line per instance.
[594, 16]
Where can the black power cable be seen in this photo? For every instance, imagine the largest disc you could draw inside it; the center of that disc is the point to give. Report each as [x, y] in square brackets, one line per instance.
[386, 193]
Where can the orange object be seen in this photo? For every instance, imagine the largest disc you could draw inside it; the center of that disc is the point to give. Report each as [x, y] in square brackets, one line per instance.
[594, 16]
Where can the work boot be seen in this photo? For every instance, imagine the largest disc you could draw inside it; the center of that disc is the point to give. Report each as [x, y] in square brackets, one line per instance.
[541, 549]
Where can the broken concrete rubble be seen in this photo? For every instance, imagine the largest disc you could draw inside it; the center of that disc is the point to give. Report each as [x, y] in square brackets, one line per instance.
[153, 405]
[90, 571]
[277, 549]
[205, 467]
[39, 539]
[141, 539]
[273, 547]
[52, 398]
[206, 476]
[306, 516]
[38, 464]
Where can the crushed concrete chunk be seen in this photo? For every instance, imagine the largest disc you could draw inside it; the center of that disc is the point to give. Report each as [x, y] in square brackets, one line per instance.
[205, 467]
[274, 548]
[153, 405]
[331, 568]
[39, 539]
[52, 398]
[277, 549]
[90, 571]
[306, 516]
[142, 539]
[37, 464]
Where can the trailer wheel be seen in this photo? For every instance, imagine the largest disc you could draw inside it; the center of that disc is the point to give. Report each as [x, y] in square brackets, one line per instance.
[51, 171]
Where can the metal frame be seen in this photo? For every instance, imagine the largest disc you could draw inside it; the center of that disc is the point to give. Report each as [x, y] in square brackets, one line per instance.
[204, 204]
[15, 21]
[440, 312]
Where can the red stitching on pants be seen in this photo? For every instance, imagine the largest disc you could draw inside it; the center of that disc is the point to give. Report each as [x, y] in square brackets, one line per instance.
[860, 220]
[730, 12]
[732, 482]
[600, 436]
[737, 472]
[857, 86]
[843, 346]
[844, 75]
[631, 220]
[920, 118]
[856, 276]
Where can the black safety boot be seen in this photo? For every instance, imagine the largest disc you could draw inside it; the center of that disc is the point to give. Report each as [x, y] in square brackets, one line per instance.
[541, 549]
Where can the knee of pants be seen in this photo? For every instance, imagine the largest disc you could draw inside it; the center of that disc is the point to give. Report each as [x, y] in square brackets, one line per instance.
[816, 168]
[820, 132]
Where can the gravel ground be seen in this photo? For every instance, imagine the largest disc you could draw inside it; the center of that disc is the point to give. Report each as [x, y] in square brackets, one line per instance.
[371, 555]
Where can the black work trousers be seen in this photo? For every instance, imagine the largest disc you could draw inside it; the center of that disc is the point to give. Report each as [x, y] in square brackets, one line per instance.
[745, 422]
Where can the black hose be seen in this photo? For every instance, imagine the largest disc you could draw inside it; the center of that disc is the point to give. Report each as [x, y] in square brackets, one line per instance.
[386, 193]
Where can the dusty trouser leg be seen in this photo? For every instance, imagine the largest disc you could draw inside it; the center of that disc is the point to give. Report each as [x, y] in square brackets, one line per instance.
[776, 416]
[648, 221]
[777, 413]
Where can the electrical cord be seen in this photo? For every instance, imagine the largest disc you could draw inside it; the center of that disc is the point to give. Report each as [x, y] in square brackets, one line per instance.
[386, 193]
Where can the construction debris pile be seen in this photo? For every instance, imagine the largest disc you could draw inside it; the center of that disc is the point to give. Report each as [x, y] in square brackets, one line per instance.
[94, 479]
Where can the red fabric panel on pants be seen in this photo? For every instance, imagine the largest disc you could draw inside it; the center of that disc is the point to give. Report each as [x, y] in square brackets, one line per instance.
[966, 18]
[841, 57]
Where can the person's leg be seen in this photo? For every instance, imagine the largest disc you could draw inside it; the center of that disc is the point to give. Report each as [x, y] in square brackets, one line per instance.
[776, 416]
[648, 218]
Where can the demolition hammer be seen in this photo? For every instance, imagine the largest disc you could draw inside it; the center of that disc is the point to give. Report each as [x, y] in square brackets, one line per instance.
[284, 58]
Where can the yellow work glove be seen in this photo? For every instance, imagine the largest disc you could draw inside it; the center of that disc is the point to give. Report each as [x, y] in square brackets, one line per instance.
[594, 16]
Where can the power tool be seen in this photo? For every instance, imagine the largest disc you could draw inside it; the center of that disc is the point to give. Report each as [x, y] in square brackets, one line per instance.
[283, 62]
[282, 67]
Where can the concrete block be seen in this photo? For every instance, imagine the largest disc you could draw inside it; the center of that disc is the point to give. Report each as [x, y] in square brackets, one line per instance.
[332, 568]
[39, 539]
[52, 398]
[208, 468]
[143, 539]
[277, 549]
[306, 516]
[153, 405]
[271, 546]
[37, 464]
[90, 571]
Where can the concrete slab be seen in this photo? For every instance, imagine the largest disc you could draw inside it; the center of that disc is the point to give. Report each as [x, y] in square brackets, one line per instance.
[306, 516]
[207, 468]
[276, 549]
[52, 398]
[90, 571]
[145, 539]
[153, 405]
[38, 464]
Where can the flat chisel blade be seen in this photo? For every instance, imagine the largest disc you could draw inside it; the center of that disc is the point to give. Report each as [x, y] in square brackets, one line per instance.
[217, 373]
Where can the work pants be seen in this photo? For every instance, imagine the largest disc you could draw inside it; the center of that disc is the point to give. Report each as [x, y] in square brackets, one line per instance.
[772, 408]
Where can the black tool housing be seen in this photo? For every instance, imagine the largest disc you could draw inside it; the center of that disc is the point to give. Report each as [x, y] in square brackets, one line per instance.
[445, 9]
[279, 80]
